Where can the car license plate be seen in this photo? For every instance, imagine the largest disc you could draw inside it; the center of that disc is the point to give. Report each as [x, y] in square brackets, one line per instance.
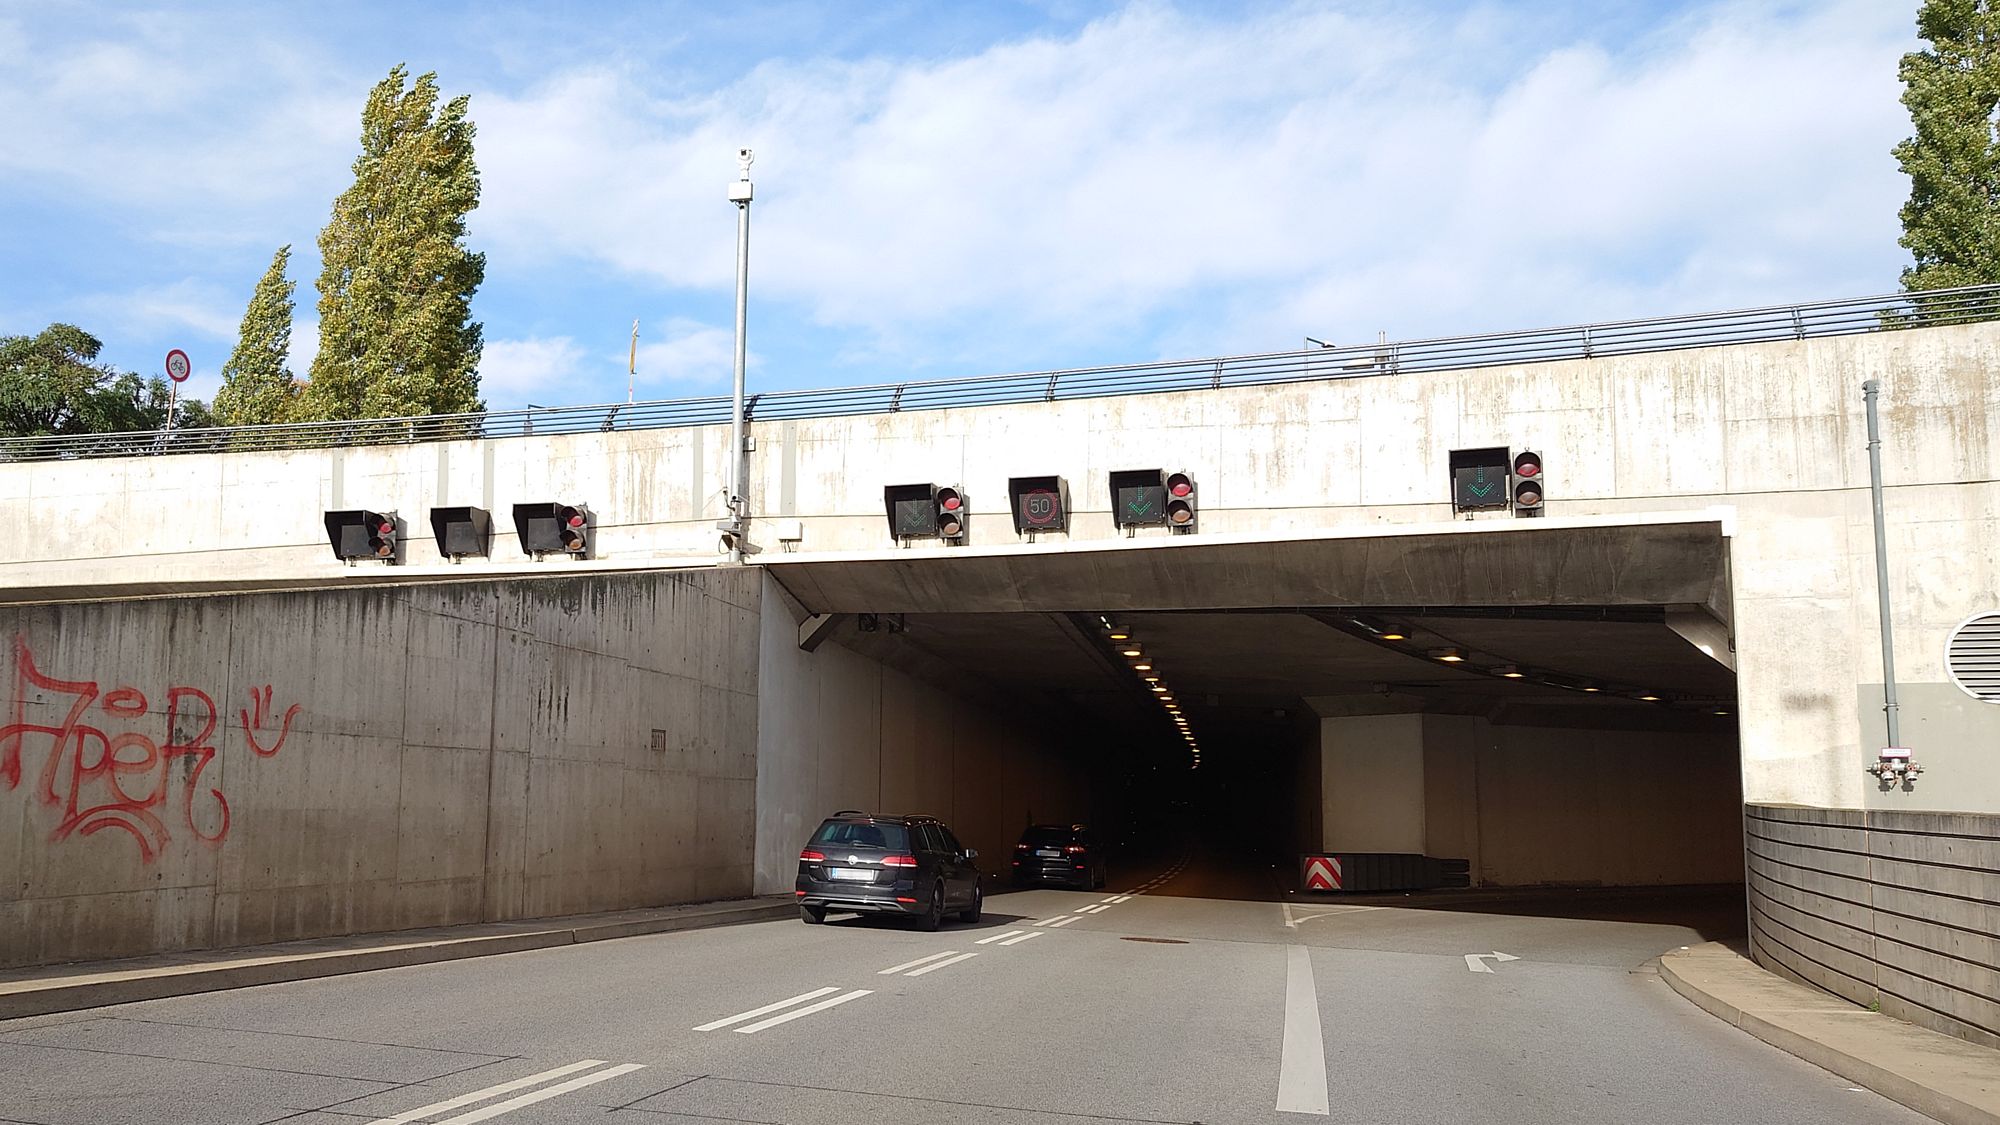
[1049, 853]
[850, 875]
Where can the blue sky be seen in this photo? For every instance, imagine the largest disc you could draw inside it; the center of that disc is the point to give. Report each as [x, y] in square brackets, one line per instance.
[948, 189]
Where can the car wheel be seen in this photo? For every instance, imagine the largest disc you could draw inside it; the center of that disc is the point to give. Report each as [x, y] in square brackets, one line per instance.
[812, 915]
[933, 919]
[971, 913]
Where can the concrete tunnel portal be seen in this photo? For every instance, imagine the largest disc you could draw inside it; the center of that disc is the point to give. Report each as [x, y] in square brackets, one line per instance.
[1537, 703]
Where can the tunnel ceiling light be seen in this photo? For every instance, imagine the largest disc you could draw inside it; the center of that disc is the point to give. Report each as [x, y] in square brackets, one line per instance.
[1509, 672]
[1152, 679]
[1120, 635]
[1647, 697]
[1142, 666]
[1394, 635]
[1721, 711]
[1447, 655]
[1157, 688]
[1130, 650]
[1590, 688]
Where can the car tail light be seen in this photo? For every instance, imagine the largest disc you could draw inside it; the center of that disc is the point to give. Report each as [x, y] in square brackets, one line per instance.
[900, 898]
[1074, 849]
[899, 861]
[1020, 847]
[801, 894]
[811, 856]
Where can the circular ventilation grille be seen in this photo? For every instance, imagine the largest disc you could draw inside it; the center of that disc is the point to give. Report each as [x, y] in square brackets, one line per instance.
[1973, 656]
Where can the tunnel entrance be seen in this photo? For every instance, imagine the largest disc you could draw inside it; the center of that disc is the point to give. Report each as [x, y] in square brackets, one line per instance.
[1527, 707]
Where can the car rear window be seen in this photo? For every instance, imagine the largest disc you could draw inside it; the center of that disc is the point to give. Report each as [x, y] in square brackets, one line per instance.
[1047, 836]
[861, 834]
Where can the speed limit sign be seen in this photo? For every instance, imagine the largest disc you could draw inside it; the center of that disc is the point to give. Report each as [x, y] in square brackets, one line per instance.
[177, 365]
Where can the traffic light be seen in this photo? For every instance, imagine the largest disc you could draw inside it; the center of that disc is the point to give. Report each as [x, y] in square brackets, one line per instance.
[1180, 501]
[361, 534]
[1138, 498]
[553, 528]
[462, 532]
[951, 514]
[1478, 479]
[1527, 484]
[1038, 504]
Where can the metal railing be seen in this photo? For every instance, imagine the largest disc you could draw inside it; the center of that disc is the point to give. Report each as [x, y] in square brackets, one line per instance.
[1447, 353]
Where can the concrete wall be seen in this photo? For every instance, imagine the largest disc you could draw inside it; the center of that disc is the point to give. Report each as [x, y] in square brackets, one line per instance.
[216, 771]
[1535, 805]
[1890, 908]
[1772, 431]
[839, 731]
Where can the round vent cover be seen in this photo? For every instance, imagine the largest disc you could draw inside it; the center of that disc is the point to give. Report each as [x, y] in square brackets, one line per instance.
[1973, 656]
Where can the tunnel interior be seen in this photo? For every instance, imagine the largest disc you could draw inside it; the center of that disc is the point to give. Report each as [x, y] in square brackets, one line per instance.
[1547, 740]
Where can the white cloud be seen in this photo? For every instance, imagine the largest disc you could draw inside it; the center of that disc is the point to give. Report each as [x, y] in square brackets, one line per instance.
[690, 352]
[1310, 169]
[514, 371]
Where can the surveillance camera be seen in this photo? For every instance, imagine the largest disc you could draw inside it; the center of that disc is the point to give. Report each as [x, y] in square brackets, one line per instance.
[742, 152]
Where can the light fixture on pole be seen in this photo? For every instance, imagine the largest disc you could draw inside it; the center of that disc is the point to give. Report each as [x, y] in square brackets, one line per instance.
[739, 194]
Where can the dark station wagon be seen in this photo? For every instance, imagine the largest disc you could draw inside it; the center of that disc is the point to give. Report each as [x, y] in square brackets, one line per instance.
[879, 864]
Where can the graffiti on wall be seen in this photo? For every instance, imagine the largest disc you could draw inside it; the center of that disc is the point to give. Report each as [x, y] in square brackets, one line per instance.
[103, 766]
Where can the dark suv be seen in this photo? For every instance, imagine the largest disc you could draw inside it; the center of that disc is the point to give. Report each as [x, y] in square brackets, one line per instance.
[887, 865]
[1059, 853]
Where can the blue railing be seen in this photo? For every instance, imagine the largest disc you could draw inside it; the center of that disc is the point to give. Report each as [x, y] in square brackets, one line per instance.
[1585, 341]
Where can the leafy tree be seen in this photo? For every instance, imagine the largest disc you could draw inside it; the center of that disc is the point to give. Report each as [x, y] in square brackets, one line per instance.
[1951, 224]
[52, 383]
[395, 327]
[257, 387]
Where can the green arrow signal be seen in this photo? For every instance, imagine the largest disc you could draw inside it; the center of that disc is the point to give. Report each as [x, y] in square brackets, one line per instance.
[1480, 486]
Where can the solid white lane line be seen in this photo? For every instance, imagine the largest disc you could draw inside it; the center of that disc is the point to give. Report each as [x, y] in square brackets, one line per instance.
[755, 1012]
[1302, 1069]
[1023, 937]
[809, 1009]
[409, 1115]
[911, 964]
[1059, 925]
[941, 964]
[542, 1095]
[1055, 921]
[995, 937]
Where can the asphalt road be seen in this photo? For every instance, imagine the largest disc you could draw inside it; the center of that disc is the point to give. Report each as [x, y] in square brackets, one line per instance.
[1240, 1004]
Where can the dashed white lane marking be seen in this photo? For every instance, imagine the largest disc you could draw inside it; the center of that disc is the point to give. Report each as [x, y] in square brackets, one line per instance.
[766, 1009]
[1116, 899]
[1058, 920]
[1092, 909]
[409, 1115]
[1060, 923]
[1302, 1065]
[809, 1009]
[942, 964]
[893, 969]
[1024, 937]
[995, 937]
[542, 1095]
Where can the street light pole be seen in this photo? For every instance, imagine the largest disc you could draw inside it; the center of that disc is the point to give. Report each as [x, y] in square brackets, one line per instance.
[1870, 390]
[739, 194]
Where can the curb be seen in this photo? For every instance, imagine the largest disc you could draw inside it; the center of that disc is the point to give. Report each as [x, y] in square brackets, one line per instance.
[1789, 1027]
[58, 994]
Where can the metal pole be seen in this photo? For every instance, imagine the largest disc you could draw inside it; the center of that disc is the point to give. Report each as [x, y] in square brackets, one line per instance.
[1869, 391]
[739, 194]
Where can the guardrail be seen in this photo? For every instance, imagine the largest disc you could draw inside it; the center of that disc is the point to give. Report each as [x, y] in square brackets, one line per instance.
[1584, 341]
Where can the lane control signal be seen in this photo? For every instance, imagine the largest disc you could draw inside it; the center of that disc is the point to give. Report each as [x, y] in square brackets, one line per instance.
[1527, 484]
[553, 528]
[1138, 498]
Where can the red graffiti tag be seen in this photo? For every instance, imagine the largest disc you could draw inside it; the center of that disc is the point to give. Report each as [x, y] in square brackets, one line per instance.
[121, 778]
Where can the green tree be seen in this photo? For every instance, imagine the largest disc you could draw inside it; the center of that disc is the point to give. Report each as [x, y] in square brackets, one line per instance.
[396, 334]
[1951, 224]
[257, 387]
[52, 383]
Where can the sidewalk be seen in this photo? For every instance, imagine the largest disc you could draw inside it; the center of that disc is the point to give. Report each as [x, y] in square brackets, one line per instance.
[93, 984]
[1933, 1073]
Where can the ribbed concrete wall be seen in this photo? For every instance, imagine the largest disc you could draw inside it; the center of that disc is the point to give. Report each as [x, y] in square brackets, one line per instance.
[1899, 909]
[203, 772]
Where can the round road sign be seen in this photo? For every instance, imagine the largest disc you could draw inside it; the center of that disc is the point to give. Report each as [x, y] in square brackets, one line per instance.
[177, 365]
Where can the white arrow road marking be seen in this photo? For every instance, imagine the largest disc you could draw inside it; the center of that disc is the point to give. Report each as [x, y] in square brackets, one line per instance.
[1031, 934]
[995, 937]
[755, 1012]
[542, 1095]
[1294, 920]
[911, 964]
[809, 1009]
[1477, 961]
[1302, 1065]
[409, 1115]
[941, 964]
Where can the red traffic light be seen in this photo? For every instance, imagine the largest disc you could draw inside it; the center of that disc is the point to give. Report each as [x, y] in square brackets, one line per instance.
[1180, 500]
[1527, 483]
[950, 513]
